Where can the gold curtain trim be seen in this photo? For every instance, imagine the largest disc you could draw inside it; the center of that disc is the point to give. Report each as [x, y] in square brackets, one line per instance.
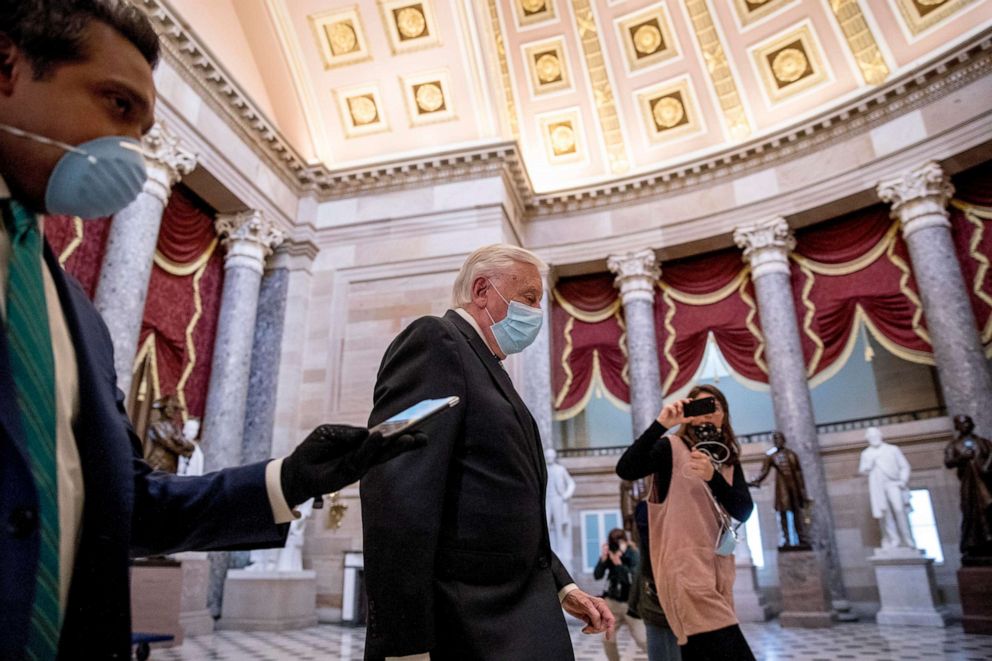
[670, 340]
[845, 354]
[148, 349]
[191, 326]
[182, 270]
[77, 240]
[587, 317]
[855, 265]
[808, 318]
[975, 214]
[919, 357]
[569, 376]
[707, 299]
[625, 372]
[595, 381]
[749, 322]
[900, 264]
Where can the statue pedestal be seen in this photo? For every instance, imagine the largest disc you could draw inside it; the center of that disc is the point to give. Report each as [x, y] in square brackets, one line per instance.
[975, 585]
[749, 603]
[156, 591]
[194, 616]
[907, 588]
[805, 598]
[269, 600]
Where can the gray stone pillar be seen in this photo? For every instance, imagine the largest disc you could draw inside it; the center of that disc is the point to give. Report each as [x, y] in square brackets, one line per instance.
[919, 200]
[265, 354]
[248, 238]
[637, 273]
[536, 360]
[127, 263]
[766, 247]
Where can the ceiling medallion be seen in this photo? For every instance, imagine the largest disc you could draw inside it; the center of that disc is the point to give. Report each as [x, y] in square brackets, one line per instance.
[533, 6]
[668, 112]
[920, 15]
[410, 22]
[647, 39]
[789, 65]
[429, 97]
[562, 138]
[363, 110]
[930, 3]
[341, 37]
[548, 68]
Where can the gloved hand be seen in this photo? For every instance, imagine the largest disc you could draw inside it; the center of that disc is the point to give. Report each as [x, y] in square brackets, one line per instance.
[334, 456]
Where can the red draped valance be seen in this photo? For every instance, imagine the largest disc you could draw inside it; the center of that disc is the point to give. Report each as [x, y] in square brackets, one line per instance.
[588, 342]
[79, 245]
[971, 228]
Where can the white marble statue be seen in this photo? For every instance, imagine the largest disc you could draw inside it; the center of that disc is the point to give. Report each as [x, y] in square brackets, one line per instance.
[888, 479]
[561, 486]
[192, 465]
[290, 556]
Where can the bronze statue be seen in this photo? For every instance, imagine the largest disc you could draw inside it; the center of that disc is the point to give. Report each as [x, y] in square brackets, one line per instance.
[790, 492]
[166, 441]
[972, 456]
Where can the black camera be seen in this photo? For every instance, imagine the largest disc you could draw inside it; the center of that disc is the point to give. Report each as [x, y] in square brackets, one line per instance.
[614, 546]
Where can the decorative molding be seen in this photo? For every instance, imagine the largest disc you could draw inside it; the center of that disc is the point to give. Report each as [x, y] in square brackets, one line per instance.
[637, 273]
[718, 67]
[919, 198]
[248, 237]
[504, 70]
[766, 246]
[605, 99]
[860, 40]
[167, 161]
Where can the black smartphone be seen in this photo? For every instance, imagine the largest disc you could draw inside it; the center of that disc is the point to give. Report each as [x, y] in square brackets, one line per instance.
[699, 407]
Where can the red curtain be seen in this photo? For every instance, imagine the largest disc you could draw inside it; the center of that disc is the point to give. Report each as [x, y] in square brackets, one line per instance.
[971, 228]
[79, 245]
[851, 269]
[587, 335]
[183, 304]
[709, 293]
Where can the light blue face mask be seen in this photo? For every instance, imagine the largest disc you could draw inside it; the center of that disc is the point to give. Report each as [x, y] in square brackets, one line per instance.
[519, 328]
[95, 179]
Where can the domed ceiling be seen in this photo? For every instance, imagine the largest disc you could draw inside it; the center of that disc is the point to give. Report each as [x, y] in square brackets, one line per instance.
[591, 89]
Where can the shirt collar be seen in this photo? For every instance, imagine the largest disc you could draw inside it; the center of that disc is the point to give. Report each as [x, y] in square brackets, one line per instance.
[4, 191]
[474, 324]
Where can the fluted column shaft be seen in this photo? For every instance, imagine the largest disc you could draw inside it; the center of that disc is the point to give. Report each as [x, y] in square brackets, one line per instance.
[636, 274]
[919, 201]
[537, 372]
[766, 247]
[248, 238]
[127, 262]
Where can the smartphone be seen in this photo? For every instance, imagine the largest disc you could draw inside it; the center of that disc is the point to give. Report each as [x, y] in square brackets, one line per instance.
[415, 415]
[699, 407]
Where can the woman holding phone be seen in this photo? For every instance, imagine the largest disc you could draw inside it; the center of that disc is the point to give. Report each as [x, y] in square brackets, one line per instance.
[697, 485]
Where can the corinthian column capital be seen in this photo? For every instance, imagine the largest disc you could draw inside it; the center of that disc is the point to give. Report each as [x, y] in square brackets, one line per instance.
[167, 161]
[249, 237]
[919, 197]
[766, 245]
[636, 274]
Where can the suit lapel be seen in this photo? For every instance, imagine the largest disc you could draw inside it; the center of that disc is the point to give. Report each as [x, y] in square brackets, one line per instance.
[502, 379]
[10, 419]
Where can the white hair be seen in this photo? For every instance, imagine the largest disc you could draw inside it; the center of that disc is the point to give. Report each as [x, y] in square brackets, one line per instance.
[489, 262]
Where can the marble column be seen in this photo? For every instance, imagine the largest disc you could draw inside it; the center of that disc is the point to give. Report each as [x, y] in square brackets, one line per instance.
[919, 200]
[248, 238]
[636, 274]
[127, 261]
[766, 247]
[536, 361]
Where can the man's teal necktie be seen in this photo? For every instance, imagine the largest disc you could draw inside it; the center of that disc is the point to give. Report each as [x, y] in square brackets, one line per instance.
[33, 369]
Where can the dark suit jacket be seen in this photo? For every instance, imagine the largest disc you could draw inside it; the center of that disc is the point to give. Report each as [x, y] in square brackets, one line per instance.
[457, 557]
[128, 509]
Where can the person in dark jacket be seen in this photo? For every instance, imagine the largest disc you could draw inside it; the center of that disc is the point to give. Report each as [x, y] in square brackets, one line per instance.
[618, 563]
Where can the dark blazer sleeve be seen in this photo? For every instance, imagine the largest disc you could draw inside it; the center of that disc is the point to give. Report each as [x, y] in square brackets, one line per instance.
[403, 499]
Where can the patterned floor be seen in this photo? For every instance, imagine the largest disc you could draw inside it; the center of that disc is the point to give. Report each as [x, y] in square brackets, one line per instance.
[861, 641]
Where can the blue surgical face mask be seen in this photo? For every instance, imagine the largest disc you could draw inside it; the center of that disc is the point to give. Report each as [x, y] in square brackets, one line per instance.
[95, 179]
[519, 328]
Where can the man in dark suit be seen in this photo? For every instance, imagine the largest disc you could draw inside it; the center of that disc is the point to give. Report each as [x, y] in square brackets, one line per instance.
[458, 563]
[76, 499]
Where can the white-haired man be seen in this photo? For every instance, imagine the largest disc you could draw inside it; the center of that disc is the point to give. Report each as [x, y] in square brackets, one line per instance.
[458, 563]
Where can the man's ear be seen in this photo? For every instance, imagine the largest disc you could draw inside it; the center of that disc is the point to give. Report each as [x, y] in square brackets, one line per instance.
[10, 55]
[479, 288]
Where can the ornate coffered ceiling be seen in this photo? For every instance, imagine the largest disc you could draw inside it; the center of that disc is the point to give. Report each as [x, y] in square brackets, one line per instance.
[592, 91]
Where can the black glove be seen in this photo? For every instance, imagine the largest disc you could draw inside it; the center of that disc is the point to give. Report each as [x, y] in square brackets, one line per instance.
[334, 456]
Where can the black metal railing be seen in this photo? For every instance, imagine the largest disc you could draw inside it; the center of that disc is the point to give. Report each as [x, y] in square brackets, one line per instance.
[766, 436]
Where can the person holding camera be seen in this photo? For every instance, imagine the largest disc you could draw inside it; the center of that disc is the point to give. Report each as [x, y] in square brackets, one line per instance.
[618, 563]
[697, 487]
